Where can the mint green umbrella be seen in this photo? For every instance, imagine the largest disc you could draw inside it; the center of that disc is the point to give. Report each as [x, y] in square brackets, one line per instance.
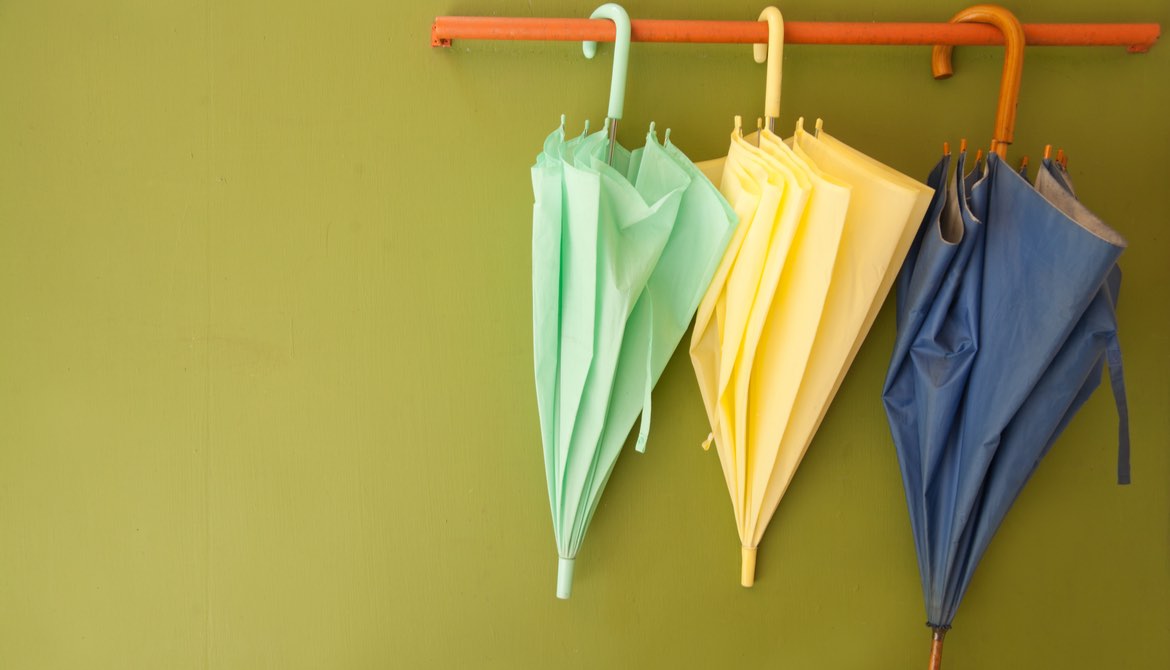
[624, 245]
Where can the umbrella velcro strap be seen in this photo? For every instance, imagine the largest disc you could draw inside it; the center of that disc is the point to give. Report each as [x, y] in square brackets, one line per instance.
[644, 424]
[1117, 381]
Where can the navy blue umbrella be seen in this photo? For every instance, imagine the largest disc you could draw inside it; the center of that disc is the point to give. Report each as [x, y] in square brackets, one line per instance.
[1006, 316]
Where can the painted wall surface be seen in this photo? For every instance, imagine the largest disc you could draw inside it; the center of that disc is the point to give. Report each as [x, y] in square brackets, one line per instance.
[266, 388]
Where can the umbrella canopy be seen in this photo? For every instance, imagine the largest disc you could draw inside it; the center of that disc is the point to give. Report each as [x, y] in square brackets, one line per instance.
[1005, 315]
[624, 243]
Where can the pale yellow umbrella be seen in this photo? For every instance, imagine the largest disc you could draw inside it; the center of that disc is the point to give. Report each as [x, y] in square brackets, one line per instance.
[758, 321]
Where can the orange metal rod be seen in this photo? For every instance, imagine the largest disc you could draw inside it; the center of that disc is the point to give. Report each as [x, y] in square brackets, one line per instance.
[1137, 37]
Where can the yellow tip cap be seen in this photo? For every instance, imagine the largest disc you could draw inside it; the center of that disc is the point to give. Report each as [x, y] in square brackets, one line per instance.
[747, 574]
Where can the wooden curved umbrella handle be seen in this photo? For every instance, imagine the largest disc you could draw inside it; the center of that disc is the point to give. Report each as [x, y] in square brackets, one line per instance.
[1013, 66]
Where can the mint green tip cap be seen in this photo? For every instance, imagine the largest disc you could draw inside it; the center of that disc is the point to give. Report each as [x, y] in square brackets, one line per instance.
[564, 578]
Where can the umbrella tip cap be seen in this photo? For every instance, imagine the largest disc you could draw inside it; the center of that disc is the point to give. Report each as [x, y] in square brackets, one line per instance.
[564, 578]
[747, 575]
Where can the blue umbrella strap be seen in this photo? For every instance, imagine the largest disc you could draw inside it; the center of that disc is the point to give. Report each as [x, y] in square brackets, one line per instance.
[1117, 381]
[644, 424]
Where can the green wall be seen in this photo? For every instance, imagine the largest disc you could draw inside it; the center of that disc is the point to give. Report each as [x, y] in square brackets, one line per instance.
[266, 394]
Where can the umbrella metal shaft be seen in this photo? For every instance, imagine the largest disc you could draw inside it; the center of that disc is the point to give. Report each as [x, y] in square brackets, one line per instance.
[1137, 37]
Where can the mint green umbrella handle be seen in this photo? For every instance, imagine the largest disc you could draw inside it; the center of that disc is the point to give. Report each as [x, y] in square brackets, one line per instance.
[621, 54]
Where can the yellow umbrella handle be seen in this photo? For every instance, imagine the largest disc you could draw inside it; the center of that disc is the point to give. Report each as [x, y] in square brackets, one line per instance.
[1013, 66]
[773, 54]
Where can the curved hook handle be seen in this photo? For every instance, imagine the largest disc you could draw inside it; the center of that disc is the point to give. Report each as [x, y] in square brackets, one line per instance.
[773, 53]
[621, 54]
[1013, 66]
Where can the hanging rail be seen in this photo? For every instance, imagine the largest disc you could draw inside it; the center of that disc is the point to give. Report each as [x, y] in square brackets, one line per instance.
[1137, 37]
